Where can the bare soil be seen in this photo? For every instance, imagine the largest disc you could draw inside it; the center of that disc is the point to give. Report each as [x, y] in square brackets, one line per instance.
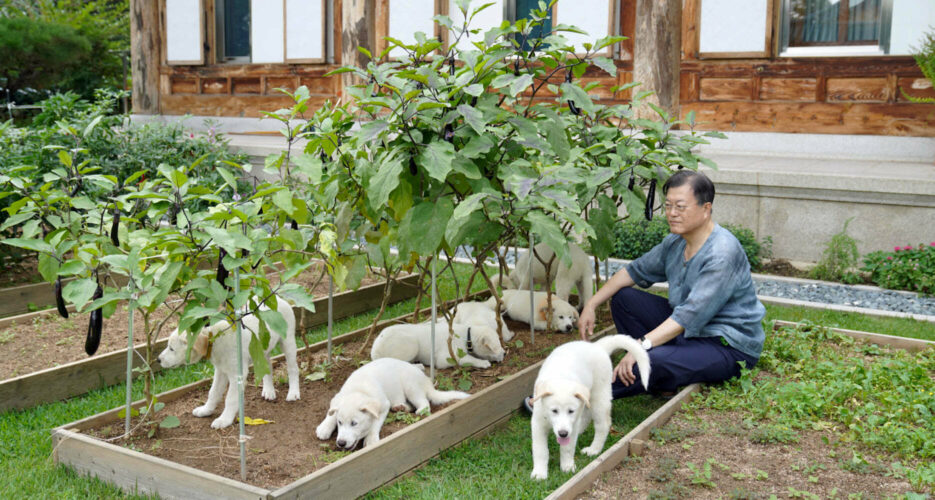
[727, 464]
[48, 340]
[782, 267]
[287, 449]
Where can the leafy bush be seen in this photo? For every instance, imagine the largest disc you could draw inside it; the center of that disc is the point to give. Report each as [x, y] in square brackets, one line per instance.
[634, 237]
[905, 268]
[39, 54]
[838, 259]
[925, 59]
[755, 250]
[102, 23]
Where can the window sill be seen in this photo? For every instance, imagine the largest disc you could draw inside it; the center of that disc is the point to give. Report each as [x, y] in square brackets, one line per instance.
[838, 51]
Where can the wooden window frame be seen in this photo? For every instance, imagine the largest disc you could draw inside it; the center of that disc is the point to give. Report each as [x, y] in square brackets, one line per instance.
[771, 9]
[834, 49]
[164, 29]
[324, 37]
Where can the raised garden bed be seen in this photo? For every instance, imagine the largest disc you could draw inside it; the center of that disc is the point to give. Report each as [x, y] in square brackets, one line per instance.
[301, 467]
[43, 359]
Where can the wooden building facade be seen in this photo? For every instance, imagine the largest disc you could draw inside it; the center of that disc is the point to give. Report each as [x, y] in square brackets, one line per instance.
[800, 66]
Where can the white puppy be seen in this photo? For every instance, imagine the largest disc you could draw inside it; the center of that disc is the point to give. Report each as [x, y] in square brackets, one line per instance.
[367, 396]
[223, 355]
[516, 306]
[574, 385]
[413, 343]
[480, 314]
[579, 274]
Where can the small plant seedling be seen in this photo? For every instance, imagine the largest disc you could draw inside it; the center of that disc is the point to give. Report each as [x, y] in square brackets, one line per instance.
[761, 475]
[7, 336]
[701, 476]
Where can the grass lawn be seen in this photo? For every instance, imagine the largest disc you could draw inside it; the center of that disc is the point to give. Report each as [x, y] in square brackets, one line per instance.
[29, 472]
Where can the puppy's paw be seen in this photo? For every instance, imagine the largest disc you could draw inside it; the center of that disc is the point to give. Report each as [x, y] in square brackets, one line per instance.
[202, 411]
[482, 364]
[222, 422]
[539, 474]
[269, 394]
[403, 407]
[293, 395]
[590, 451]
[568, 467]
[323, 432]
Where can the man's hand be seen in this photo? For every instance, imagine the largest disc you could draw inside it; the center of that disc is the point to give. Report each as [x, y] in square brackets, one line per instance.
[624, 370]
[586, 322]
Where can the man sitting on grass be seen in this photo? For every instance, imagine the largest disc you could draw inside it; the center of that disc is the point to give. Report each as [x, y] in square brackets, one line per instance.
[711, 322]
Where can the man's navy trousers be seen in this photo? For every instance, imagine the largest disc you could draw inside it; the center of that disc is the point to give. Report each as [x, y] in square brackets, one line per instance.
[680, 361]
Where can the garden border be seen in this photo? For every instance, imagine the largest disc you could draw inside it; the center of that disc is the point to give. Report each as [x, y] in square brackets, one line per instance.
[906, 343]
[78, 377]
[369, 468]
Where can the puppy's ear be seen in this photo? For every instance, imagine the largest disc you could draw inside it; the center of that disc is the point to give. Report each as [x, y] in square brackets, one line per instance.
[200, 347]
[542, 390]
[584, 395]
[577, 315]
[372, 408]
[332, 411]
[544, 313]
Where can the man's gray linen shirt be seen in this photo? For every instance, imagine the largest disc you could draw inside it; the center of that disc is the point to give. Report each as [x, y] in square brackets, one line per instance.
[711, 294]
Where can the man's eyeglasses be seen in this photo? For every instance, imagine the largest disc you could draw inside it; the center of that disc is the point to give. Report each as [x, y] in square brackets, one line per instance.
[670, 208]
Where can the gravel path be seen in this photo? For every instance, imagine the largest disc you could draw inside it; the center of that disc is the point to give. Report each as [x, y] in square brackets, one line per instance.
[825, 293]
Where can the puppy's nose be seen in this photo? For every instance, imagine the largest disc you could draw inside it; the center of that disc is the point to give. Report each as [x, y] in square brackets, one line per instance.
[341, 443]
[562, 434]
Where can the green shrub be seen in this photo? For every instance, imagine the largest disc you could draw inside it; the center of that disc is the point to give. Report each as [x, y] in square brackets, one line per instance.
[905, 268]
[39, 54]
[925, 59]
[634, 237]
[756, 250]
[838, 259]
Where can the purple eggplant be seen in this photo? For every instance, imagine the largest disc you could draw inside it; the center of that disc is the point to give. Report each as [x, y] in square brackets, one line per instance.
[59, 300]
[95, 325]
[114, 227]
[650, 198]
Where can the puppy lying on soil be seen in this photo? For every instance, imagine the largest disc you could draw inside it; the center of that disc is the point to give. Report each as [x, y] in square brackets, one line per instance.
[579, 274]
[574, 386]
[410, 343]
[359, 409]
[480, 314]
[222, 352]
[516, 306]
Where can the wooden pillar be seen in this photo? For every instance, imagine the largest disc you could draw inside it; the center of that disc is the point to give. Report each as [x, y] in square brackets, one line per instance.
[145, 55]
[357, 30]
[657, 43]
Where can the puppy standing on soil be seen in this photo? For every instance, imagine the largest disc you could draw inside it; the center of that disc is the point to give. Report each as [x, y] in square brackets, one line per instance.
[223, 355]
[579, 274]
[516, 307]
[367, 396]
[413, 343]
[480, 314]
[573, 387]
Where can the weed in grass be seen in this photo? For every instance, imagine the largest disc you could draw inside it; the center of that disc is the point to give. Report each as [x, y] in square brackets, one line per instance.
[794, 493]
[741, 493]
[670, 491]
[771, 434]
[672, 433]
[859, 464]
[665, 470]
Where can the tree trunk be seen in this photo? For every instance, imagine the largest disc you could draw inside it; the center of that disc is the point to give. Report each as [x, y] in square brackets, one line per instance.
[145, 55]
[358, 30]
[656, 54]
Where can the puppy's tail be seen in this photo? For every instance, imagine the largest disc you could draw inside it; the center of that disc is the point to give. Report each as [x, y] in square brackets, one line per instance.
[613, 343]
[437, 397]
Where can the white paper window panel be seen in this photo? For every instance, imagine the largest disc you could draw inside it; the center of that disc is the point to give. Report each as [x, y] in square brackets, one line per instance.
[911, 20]
[266, 37]
[183, 31]
[408, 17]
[733, 26]
[305, 29]
[488, 18]
[592, 16]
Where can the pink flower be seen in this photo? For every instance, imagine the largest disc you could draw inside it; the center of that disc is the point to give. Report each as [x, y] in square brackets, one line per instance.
[896, 248]
[932, 243]
[889, 258]
[907, 247]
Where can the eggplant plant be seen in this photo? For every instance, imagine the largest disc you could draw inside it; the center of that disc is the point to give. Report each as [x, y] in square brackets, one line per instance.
[447, 147]
[149, 244]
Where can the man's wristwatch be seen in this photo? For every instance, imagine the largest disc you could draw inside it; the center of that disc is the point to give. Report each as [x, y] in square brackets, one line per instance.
[646, 343]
